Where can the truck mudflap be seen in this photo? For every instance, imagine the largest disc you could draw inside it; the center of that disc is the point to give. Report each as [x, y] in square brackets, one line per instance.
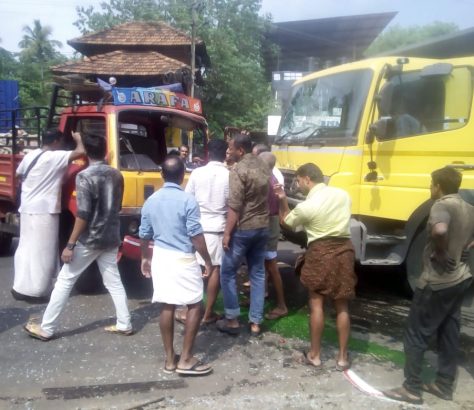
[131, 247]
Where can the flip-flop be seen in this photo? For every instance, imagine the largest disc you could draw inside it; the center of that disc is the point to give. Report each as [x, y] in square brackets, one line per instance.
[274, 315]
[213, 319]
[34, 329]
[402, 394]
[309, 362]
[171, 371]
[343, 367]
[194, 371]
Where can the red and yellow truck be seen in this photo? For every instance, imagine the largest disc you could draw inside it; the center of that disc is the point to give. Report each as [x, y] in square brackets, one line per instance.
[141, 126]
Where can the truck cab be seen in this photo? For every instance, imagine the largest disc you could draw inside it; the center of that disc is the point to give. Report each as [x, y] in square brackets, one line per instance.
[377, 128]
[141, 126]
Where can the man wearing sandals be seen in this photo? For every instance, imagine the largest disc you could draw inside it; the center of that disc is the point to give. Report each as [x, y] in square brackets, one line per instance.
[445, 278]
[210, 186]
[328, 271]
[171, 218]
[95, 237]
[271, 263]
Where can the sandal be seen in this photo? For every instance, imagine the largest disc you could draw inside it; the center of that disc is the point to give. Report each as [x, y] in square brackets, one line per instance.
[402, 394]
[343, 367]
[213, 319]
[197, 369]
[115, 330]
[224, 328]
[35, 331]
[171, 371]
[310, 362]
[275, 314]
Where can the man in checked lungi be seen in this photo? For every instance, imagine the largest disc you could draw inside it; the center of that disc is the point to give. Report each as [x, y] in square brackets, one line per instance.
[328, 270]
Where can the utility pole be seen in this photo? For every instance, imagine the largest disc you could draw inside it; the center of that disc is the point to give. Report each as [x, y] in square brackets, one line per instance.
[193, 44]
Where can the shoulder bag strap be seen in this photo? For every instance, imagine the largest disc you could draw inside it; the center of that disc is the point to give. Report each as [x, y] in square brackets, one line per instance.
[32, 164]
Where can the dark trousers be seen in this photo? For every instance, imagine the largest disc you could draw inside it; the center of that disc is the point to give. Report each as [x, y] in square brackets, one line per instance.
[434, 313]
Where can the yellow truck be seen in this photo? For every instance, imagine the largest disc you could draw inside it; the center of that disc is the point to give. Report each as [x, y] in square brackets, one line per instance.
[378, 128]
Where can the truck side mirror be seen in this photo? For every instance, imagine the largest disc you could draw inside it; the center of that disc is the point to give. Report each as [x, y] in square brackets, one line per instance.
[380, 129]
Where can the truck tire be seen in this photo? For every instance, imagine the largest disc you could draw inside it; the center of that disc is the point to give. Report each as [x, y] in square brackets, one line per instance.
[5, 243]
[90, 282]
[414, 261]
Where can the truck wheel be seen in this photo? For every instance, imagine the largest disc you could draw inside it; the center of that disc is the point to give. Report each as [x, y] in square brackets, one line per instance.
[5, 243]
[90, 281]
[414, 261]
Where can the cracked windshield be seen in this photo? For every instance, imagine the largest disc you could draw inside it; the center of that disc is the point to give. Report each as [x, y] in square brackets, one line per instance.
[326, 109]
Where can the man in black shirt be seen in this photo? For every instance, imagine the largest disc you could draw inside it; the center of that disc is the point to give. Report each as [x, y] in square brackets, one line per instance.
[95, 237]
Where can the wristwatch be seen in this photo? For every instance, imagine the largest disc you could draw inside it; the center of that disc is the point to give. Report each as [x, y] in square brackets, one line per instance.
[70, 246]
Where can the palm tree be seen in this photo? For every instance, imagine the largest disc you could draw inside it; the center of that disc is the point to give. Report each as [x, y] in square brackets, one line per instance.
[37, 47]
[36, 43]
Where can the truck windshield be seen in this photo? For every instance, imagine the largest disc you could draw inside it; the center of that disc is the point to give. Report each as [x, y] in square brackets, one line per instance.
[326, 110]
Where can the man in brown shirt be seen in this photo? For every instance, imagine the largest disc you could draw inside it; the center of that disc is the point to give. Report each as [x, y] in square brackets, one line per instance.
[245, 234]
[436, 305]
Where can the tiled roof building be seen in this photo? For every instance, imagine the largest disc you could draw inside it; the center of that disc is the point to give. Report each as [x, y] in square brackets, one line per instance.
[137, 54]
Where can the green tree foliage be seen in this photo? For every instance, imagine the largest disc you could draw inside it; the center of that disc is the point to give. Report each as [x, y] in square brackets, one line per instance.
[397, 36]
[8, 65]
[235, 91]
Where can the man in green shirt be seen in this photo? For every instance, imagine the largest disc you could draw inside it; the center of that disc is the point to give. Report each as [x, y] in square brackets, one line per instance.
[328, 270]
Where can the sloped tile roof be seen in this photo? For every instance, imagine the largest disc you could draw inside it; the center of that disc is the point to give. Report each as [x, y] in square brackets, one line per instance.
[126, 63]
[136, 33]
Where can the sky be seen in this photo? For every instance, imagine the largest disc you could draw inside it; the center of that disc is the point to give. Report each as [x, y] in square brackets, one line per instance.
[60, 14]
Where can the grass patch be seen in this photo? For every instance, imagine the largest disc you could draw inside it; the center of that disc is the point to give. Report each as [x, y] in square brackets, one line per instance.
[295, 325]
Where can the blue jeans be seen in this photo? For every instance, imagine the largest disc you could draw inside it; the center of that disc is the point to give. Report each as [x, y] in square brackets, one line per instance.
[249, 244]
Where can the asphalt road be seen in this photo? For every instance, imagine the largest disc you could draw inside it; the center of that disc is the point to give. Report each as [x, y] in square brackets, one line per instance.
[88, 369]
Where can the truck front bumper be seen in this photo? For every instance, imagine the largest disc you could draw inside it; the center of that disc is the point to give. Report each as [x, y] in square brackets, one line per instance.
[131, 247]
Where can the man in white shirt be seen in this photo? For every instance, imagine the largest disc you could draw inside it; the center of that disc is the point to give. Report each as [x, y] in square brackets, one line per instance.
[210, 186]
[36, 259]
